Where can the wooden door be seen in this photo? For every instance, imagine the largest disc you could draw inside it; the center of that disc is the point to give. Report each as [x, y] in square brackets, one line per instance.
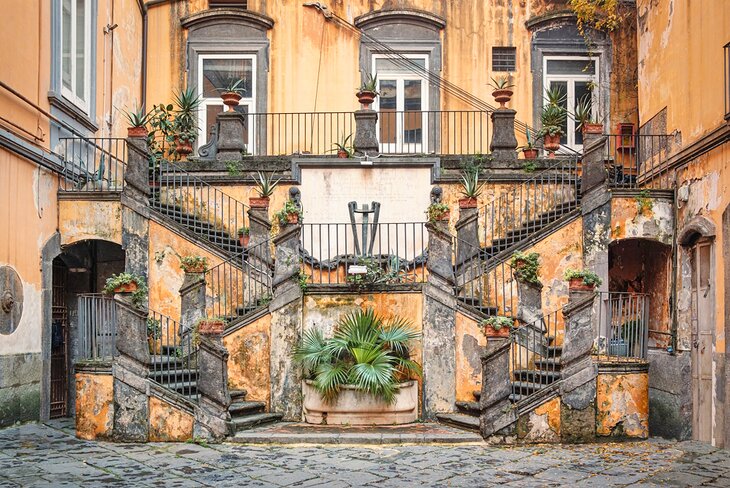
[703, 307]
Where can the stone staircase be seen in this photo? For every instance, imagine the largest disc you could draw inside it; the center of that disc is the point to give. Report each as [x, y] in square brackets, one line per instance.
[246, 414]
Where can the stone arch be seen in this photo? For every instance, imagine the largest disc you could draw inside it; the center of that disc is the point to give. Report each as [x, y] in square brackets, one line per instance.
[697, 228]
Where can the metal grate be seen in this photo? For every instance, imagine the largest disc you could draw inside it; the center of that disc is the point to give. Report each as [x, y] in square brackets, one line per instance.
[504, 58]
[59, 344]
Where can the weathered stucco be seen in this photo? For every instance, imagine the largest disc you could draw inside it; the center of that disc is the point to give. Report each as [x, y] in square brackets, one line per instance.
[94, 405]
[642, 217]
[622, 405]
[169, 423]
[470, 343]
[84, 219]
[248, 363]
[541, 424]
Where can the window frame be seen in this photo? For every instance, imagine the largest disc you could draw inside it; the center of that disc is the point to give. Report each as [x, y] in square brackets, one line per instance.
[570, 80]
[400, 79]
[245, 101]
[70, 93]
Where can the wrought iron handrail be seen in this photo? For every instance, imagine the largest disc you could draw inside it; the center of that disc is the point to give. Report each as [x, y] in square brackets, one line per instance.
[638, 161]
[93, 164]
[174, 355]
[623, 326]
[241, 284]
[395, 253]
[97, 327]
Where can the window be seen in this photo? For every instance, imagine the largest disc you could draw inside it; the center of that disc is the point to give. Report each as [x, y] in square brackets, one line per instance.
[76, 52]
[575, 77]
[215, 73]
[402, 103]
[503, 58]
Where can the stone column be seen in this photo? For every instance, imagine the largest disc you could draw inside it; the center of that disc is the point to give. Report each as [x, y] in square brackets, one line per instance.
[259, 253]
[497, 411]
[439, 321]
[286, 325]
[595, 207]
[529, 302]
[366, 136]
[504, 142]
[135, 207]
[594, 169]
[578, 373]
[192, 299]
[231, 145]
[130, 370]
[213, 420]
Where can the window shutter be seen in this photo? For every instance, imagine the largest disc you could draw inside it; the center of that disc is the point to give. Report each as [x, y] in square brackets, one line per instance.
[503, 58]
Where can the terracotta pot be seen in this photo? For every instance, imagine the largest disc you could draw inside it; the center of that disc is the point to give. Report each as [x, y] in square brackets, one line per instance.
[592, 129]
[576, 284]
[137, 132]
[519, 263]
[244, 239]
[444, 217]
[292, 218]
[258, 202]
[231, 99]
[366, 98]
[355, 407]
[469, 202]
[211, 327]
[195, 269]
[183, 148]
[502, 97]
[342, 154]
[529, 153]
[551, 143]
[490, 332]
[126, 288]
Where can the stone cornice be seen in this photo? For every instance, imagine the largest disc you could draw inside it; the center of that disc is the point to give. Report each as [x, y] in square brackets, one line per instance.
[411, 16]
[230, 15]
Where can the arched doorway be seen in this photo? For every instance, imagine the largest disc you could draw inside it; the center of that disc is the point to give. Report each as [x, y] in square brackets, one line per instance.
[80, 268]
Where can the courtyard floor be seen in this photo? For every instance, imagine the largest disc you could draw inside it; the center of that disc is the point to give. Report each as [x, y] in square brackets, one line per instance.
[49, 455]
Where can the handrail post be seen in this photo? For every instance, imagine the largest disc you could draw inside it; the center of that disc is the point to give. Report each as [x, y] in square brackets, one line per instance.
[213, 421]
[366, 137]
[496, 410]
[192, 299]
[231, 145]
[504, 142]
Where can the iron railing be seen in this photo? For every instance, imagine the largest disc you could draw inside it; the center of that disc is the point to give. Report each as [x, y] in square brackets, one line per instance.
[241, 284]
[364, 254]
[623, 326]
[639, 161]
[535, 355]
[399, 132]
[515, 214]
[174, 355]
[97, 327]
[193, 203]
[93, 164]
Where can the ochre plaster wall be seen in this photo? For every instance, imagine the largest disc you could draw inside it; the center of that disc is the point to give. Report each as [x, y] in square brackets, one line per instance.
[79, 220]
[248, 360]
[541, 424]
[622, 405]
[94, 405]
[470, 343]
[169, 423]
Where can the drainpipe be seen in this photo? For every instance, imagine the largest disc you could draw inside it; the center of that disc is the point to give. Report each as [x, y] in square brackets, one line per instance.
[144, 9]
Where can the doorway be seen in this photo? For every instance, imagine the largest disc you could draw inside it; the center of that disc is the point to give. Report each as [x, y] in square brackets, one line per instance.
[703, 308]
[59, 342]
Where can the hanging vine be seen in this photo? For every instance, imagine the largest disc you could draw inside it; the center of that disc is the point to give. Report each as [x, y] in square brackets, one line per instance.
[603, 15]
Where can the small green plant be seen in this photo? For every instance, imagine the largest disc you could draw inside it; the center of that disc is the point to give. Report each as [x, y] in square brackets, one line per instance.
[235, 86]
[193, 264]
[496, 322]
[154, 329]
[121, 279]
[265, 184]
[290, 208]
[643, 201]
[365, 351]
[471, 187]
[553, 113]
[185, 125]
[303, 280]
[265, 299]
[589, 277]
[345, 145]
[370, 84]
[529, 166]
[137, 117]
[436, 210]
[583, 113]
[199, 441]
[526, 266]
[501, 83]
[244, 231]
[530, 144]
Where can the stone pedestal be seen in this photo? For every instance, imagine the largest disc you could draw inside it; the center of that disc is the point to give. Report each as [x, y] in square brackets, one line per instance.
[192, 299]
[366, 135]
[213, 421]
[496, 410]
[231, 145]
[467, 232]
[504, 142]
[135, 208]
[594, 168]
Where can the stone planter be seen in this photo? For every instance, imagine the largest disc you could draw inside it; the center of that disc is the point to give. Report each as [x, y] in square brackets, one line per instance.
[354, 407]
[592, 129]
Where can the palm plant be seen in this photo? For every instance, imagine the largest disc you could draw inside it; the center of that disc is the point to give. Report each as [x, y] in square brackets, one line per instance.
[265, 184]
[553, 113]
[186, 115]
[137, 117]
[365, 352]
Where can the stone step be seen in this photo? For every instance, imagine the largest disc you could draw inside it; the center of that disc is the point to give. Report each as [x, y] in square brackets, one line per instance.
[249, 421]
[238, 409]
[460, 420]
[174, 375]
[551, 364]
[526, 387]
[536, 376]
[469, 408]
[238, 395]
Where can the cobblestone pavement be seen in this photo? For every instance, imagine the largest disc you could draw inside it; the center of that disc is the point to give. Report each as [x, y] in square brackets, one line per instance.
[49, 455]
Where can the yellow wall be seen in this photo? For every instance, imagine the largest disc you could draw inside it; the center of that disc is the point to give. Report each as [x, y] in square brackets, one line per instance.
[94, 405]
[248, 361]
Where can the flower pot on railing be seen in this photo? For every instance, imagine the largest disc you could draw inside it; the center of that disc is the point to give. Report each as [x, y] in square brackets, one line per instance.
[342, 154]
[366, 98]
[130, 287]
[469, 202]
[490, 331]
[137, 132]
[258, 202]
[577, 284]
[589, 128]
[502, 97]
[244, 239]
[292, 218]
[497, 326]
[183, 148]
[551, 142]
[231, 99]
[529, 153]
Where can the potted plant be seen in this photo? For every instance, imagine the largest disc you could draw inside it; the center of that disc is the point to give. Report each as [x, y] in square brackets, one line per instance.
[583, 115]
[290, 214]
[233, 92]
[265, 186]
[363, 374]
[244, 236]
[185, 125]
[471, 188]
[368, 91]
[194, 264]
[209, 325]
[528, 150]
[497, 326]
[127, 283]
[502, 93]
[581, 279]
[526, 267]
[137, 120]
[344, 147]
[553, 117]
[154, 333]
[438, 212]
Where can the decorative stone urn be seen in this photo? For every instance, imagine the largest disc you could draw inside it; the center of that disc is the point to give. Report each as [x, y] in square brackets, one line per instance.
[355, 407]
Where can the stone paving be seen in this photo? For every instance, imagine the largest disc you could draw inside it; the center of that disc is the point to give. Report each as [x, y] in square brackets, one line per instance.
[49, 455]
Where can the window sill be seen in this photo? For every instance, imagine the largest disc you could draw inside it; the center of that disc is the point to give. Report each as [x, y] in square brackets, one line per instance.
[58, 101]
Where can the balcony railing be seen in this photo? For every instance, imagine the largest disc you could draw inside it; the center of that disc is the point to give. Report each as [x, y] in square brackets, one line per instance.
[623, 326]
[93, 164]
[638, 161]
[97, 327]
[399, 132]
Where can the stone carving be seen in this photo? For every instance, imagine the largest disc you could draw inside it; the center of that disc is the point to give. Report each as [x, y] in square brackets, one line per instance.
[11, 300]
[436, 194]
[211, 149]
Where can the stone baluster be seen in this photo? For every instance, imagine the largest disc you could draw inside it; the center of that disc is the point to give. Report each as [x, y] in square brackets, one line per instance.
[213, 420]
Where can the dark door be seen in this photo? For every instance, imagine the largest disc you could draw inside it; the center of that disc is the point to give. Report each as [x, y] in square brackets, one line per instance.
[59, 343]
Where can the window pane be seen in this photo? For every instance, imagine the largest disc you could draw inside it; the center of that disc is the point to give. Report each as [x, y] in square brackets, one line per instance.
[387, 89]
[412, 122]
[582, 94]
[563, 87]
[399, 65]
[571, 67]
[66, 43]
[220, 73]
[81, 49]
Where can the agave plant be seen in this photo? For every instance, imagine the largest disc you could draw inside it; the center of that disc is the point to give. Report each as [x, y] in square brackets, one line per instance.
[365, 352]
[553, 113]
[265, 184]
[471, 187]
